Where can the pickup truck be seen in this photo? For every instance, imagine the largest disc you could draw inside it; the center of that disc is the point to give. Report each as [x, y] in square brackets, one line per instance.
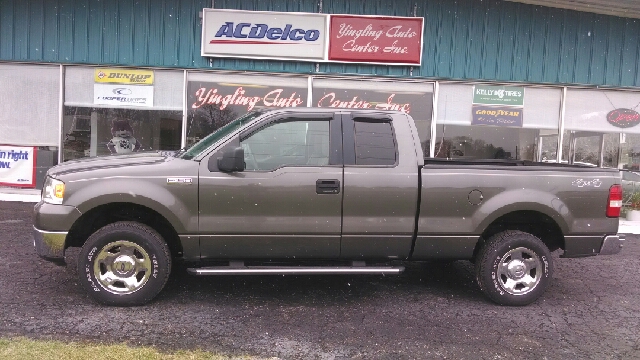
[320, 191]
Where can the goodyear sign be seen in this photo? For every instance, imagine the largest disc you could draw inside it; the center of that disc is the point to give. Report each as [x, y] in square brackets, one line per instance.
[124, 76]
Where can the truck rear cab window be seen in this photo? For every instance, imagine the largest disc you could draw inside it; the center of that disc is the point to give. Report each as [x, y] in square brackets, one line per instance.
[374, 142]
[303, 142]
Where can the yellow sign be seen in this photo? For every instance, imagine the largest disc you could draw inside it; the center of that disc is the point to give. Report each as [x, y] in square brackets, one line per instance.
[124, 76]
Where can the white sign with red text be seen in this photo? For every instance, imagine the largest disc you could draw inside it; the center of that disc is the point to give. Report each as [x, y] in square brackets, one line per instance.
[17, 166]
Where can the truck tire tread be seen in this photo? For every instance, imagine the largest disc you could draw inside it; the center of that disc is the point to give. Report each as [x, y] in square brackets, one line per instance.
[140, 234]
[494, 249]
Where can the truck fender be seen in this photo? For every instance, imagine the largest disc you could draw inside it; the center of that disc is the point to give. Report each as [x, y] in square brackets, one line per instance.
[139, 192]
[528, 200]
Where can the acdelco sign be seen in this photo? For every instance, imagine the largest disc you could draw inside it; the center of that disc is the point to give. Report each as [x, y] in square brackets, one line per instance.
[272, 35]
[260, 31]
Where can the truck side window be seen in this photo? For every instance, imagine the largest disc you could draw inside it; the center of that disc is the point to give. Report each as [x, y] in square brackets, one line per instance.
[289, 143]
[375, 144]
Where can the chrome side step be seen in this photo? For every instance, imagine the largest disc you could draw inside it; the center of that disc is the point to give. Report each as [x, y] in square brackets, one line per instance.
[296, 270]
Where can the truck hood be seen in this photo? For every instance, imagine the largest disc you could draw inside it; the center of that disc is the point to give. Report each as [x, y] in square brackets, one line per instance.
[115, 162]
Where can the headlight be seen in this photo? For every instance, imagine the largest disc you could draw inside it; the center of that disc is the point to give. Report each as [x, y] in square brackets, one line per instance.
[53, 191]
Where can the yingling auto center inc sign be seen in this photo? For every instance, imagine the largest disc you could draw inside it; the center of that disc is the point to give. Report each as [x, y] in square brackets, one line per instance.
[312, 37]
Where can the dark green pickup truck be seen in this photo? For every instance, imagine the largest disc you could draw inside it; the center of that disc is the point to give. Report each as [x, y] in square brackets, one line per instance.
[320, 191]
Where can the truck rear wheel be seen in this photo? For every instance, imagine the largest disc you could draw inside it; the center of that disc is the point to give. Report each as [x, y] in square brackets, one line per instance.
[124, 264]
[514, 268]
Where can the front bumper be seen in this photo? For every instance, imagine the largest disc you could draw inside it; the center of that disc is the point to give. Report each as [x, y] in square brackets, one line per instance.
[57, 219]
[50, 245]
[612, 244]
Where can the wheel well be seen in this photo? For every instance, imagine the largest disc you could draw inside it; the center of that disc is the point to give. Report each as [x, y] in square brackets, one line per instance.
[532, 222]
[103, 215]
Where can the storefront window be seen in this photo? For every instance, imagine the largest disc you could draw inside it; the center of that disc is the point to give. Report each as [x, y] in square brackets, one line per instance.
[34, 123]
[107, 113]
[100, 131]
[630, 152]
[415, 99]
[214, 100]
[601, 128]
[497, 122]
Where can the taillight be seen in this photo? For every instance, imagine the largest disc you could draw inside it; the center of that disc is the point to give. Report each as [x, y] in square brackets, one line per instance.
[614, 204]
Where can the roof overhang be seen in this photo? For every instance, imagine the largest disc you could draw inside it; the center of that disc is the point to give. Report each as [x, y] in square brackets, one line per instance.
[622, 8]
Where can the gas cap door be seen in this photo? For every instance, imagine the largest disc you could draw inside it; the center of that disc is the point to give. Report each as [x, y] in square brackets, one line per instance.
[475, 197]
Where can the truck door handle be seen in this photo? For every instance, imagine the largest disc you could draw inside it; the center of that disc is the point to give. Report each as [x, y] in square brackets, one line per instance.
[327, 186]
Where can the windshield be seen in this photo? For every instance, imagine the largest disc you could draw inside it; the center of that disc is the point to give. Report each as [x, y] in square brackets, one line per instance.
[212, 138]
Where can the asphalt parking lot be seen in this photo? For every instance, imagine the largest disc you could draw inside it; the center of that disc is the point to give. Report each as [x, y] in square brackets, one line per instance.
[591, 310]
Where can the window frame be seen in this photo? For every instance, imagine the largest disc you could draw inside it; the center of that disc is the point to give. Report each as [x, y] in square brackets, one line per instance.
[349, 138]
[335, 145]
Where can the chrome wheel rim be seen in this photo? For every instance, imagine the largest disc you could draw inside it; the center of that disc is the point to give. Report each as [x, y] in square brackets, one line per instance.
[519, 271]
[122, 267]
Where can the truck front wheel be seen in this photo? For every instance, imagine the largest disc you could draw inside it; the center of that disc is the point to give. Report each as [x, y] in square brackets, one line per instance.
[514, 268]
[124, 264]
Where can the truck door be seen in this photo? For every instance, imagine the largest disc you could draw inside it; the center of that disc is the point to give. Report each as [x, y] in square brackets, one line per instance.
[380, 187]
[287, 202]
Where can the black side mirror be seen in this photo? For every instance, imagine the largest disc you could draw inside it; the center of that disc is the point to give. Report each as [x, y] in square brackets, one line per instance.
[232, 160]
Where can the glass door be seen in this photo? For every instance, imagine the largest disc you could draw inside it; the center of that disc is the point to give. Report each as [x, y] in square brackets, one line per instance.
[585, 148]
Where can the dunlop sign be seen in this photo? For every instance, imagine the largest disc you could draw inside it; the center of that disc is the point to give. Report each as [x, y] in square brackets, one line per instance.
[124, 76]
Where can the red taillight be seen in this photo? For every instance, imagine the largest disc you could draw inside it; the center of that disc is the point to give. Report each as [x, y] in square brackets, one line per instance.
[614, 204]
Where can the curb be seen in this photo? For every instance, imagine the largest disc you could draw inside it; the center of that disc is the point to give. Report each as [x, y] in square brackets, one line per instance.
[20, 197]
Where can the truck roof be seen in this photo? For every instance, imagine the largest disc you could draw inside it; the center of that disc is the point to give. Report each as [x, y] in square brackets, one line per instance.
[330, 109]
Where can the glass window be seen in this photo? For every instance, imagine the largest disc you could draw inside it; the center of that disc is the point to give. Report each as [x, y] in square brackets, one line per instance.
[630, 152]
[289, 143]
[374, 143]
[92, 132]
[496, 122]
[415, 99]
[214, 100]
[103, 119]
[29, 104]
[601, 128]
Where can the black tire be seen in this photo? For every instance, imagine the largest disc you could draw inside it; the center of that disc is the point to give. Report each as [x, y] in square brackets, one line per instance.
[514, 268]
[124, 264]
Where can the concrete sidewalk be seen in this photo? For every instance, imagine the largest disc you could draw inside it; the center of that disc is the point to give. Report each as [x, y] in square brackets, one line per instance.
[17, 194]
[33, 196]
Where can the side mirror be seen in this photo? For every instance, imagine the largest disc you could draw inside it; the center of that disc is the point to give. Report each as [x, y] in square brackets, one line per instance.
[232, 160]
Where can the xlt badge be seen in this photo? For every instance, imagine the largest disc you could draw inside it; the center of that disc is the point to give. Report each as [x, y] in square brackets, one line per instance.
[179, 180]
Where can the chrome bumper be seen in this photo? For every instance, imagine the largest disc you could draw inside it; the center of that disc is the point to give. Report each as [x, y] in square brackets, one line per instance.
[50, 245]
[612, 244]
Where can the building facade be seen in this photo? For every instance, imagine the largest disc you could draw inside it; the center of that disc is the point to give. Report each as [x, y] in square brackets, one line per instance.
[493, 79]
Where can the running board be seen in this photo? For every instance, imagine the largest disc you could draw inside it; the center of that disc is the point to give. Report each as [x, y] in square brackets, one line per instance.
[296, 270]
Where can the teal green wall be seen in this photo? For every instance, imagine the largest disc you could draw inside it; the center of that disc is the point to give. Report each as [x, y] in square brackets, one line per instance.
[464, 39]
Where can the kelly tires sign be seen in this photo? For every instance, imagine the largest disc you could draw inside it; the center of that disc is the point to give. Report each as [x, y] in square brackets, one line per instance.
[17, 166]
[498, 105]
[312, 37]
